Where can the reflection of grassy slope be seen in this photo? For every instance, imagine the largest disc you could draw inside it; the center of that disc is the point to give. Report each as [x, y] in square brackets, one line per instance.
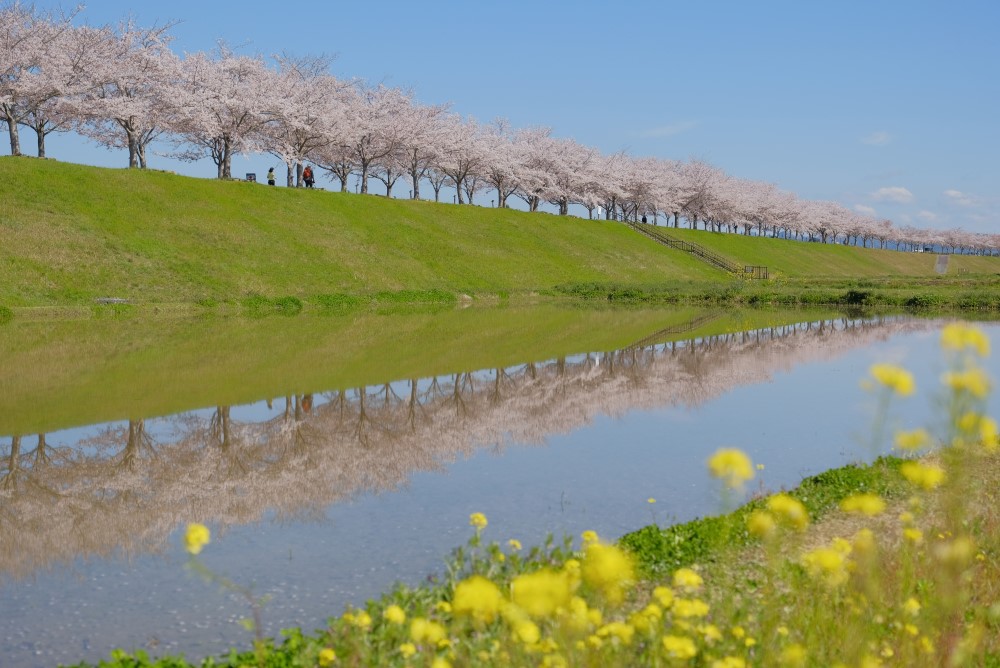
[71, 233]
[58, 374]
[801, 259]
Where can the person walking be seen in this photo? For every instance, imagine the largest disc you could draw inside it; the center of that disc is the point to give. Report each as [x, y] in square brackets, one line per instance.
[270, 177]
[307, 176]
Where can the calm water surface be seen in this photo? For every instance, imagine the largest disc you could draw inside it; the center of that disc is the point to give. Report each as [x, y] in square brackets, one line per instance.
[324, 499]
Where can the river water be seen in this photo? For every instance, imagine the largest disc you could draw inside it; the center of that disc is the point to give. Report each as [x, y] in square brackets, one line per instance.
[326, 475]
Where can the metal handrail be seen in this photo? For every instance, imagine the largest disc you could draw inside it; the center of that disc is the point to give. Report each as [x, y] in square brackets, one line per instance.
[661, 236]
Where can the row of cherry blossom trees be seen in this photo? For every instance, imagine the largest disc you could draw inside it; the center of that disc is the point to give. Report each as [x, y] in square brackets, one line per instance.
[123, 87]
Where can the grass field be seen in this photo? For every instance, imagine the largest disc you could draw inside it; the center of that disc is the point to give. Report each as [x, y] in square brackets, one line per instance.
[70, 234]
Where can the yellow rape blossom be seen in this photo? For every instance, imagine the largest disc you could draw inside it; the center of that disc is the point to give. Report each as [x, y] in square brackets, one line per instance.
[897, 379]
[619, 631]
[687, 579]
[959, 336]
[478, 598]
[664, 595]
[514, 544]
[407, 649]
[440, 662]
[789, 511]
[761, 524]
[478, 520]
[913, 535]
[425, 631]
[731, 466]
[589, 536]
[541, 593]
[679, 647]
[326, 657]
[973, 381]
[527, 632]
[925, 476]
[394, 614]
[729, 662]
[689, 608]
[608, 569]
[912, 440]
[827, 564]
[912, 607]
[863, 504]
[196, 537]
[793, 656]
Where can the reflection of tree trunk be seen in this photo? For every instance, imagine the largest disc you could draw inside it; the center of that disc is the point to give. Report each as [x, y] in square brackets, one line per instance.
[412, 405]
[219, 427]
[13, 464]
[41, 453]
[137, 440]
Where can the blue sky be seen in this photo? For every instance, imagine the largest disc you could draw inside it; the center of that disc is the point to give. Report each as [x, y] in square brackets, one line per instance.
[890, 107]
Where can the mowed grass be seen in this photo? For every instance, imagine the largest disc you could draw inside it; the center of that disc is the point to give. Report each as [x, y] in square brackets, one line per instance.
[72, 233]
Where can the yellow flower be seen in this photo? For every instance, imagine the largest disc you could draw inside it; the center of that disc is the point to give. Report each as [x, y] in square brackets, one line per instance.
[729, 662]
[619, 630]
[679, 647]
[864, 542]
[738, 632]
[423, 630]
[973, 381]
[761, 524]
[327, 656]
[514, 544]
[477, 597]
[912, 440]
[925, 476]
[958, 336]
[827, 564]
[664, 595]
[650, 500]
[897, 379]
[710, 632]
[542, 592]
[732, 466]
[362, 620]
[196, 537]
[407, 649]
[912, 607]
[478, 520]
[444, 607]
[394, 614]
[863, 504]
[913, 535]
[983, 428]
[687, 579]
[589, 536]
[608, 569]
[790, 511]
[440, 662]
[526, 631]
[689, 608]
[793, 656]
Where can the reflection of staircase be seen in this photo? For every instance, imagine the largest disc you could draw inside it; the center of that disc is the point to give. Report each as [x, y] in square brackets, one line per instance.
[679, 328]
[660, 235]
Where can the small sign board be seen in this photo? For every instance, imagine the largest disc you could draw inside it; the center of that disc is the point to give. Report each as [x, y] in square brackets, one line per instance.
[252, 177]
[941, 266]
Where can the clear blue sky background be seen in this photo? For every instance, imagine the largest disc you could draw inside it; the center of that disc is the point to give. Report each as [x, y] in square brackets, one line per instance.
[831, 100]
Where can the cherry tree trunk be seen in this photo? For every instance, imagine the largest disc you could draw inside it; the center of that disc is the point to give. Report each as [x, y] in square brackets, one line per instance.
[41, 144]
[15, 139]
[416, 184]
[290, 175]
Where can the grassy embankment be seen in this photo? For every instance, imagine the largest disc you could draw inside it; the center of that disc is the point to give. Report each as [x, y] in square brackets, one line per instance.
[72, 234]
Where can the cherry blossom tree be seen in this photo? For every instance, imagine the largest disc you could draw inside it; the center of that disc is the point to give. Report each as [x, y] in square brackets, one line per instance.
[129, 101]
[311, 112]
[224, 102]
[462, 153]
[27, 46]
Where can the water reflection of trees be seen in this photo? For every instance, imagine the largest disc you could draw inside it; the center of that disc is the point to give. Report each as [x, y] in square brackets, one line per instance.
[122, 491]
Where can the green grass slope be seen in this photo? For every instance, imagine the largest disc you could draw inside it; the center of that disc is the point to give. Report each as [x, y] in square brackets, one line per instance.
[71, 233]
[799, 259]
